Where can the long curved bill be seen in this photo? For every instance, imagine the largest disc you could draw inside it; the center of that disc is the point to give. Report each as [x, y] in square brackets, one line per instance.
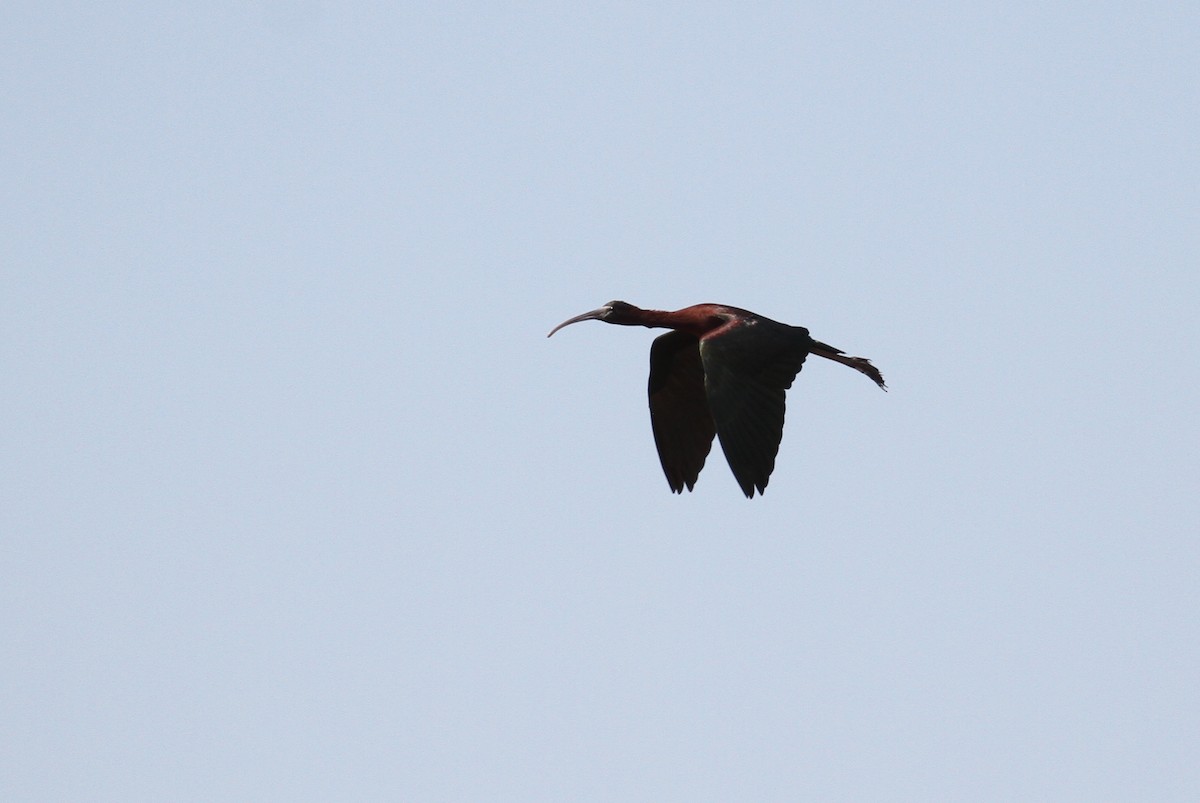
[594, 315]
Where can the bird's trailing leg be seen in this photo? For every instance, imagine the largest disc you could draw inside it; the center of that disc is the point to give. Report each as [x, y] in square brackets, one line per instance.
[861, 364]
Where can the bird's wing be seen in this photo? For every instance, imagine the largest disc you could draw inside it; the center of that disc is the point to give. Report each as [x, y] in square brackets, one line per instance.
[747, 369]
[679, 414]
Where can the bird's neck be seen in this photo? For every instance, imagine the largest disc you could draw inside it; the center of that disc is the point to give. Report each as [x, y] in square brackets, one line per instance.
[653, 319]
[697, 320]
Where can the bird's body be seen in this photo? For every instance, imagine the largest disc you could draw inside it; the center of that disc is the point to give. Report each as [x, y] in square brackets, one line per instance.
[722, 371]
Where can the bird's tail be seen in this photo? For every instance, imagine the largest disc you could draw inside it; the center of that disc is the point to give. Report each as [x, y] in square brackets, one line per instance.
[857, 363]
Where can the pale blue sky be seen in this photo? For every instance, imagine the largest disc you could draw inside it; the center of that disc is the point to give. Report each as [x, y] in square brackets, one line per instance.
[299, 502]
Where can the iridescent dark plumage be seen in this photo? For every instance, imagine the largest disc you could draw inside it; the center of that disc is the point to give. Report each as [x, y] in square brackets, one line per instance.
[723, 371]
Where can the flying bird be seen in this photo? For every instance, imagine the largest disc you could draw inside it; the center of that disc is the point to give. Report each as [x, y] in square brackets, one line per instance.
[722, 371]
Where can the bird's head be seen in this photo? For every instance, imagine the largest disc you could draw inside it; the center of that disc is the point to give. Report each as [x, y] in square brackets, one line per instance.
[613, 312]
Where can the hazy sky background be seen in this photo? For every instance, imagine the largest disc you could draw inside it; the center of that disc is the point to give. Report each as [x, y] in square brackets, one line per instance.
[300, 503]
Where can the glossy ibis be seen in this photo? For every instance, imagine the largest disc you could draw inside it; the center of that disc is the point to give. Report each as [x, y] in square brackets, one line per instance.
[722, 371]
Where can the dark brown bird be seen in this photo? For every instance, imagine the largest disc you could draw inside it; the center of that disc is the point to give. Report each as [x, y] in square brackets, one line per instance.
[722, 371]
